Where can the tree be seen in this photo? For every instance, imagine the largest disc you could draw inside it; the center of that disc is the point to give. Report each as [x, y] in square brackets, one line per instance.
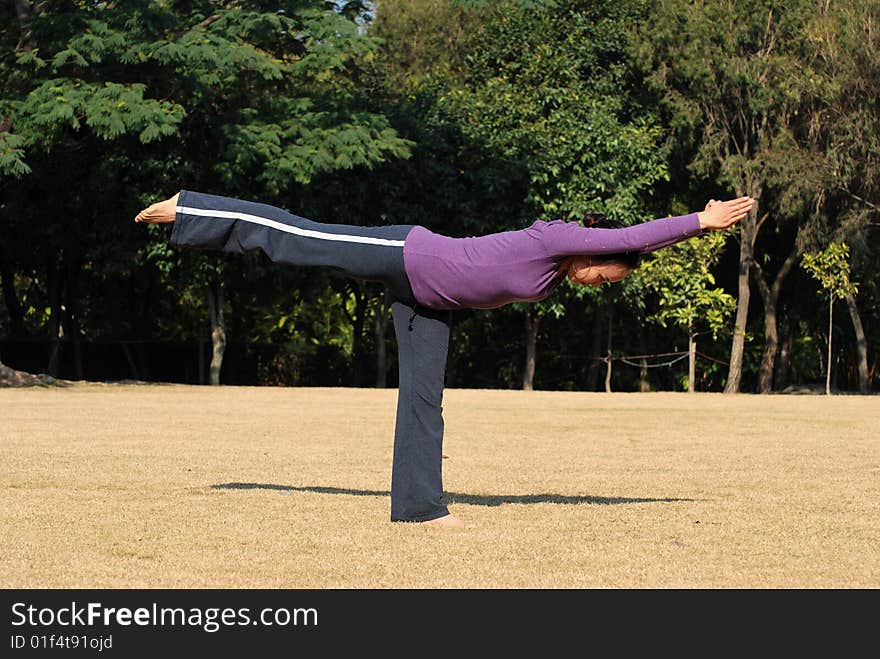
[256, 99]
[424, 40]
[830, 268]
[547, 88]
[54, 125]
[845, 122]
[733, 78]
[681, 277]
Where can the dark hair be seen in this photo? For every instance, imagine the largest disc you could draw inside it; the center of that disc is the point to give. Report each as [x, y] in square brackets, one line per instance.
[599, 221]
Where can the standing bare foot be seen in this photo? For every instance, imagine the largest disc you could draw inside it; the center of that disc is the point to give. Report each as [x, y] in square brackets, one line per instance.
[162, 212]
[447, 521]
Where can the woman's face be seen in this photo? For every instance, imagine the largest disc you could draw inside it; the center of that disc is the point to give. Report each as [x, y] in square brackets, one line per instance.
[593, 271]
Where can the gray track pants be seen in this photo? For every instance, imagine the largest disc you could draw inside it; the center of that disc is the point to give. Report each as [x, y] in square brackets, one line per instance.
[206, 221]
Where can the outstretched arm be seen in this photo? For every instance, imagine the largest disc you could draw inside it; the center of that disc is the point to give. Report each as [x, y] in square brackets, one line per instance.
[717, 215]
[564, 239]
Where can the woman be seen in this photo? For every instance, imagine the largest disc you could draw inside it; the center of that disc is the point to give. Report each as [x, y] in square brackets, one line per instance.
[429, 276]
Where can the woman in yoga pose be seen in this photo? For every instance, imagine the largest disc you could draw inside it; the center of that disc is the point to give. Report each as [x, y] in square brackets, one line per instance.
[430, 275]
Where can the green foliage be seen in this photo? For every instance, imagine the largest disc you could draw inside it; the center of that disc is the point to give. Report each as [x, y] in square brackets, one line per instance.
[278, 87]
[111, 106]
[547, 88]
[464, 116]
[109, 109]
[12, 155]
[731, 76]
[305, 142]
[845, 122]
[543, 89]
[830, 268]
[682, 279]
[425, 42]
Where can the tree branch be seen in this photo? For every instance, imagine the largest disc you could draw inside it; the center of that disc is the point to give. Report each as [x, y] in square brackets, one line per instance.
[758, 275]
[25, 12]
[783, 271]
[761, 221]
[861, 199]
[211, 19]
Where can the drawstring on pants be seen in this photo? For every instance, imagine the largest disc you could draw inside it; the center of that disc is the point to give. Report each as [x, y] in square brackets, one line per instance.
[413, 317]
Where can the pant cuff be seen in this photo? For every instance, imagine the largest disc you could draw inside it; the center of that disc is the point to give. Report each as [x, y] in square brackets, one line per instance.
[441, 512]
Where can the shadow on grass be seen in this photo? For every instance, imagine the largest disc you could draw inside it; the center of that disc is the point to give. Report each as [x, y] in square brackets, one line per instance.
[453, 497]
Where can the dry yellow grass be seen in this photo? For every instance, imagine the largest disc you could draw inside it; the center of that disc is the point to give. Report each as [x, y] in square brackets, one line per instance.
[143, 486]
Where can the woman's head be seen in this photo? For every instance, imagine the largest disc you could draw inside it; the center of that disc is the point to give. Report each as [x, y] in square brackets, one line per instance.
[594, 270]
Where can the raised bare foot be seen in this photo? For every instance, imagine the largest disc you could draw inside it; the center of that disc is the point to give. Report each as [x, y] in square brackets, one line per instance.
[162, 212]
[447, 520]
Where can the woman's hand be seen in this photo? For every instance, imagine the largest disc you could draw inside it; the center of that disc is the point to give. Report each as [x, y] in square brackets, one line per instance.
[724, 214]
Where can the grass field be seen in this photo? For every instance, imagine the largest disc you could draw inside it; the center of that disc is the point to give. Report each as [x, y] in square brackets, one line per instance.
[143, 486]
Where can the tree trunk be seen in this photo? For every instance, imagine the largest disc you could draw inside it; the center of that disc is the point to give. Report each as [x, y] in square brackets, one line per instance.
[532, 322]
[218, 329]
[595, 346]
[746, 250]
[131, 364]
[71, 315]
[608, 353]
[748, 235]
[692, 362]
[357, 326]
[771, 347]
[783, 371]
[380, 329]
[140, 300]
[770, 297]
[644, 384]
[830, 329]
[861, 343]
[53, 284]
[608, 372]
[10, 297]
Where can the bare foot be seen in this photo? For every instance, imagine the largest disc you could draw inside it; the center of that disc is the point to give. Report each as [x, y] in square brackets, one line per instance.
[448, 521]
[162, 212]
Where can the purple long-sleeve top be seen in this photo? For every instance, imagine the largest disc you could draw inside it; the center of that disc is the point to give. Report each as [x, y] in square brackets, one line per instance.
[486, 272]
